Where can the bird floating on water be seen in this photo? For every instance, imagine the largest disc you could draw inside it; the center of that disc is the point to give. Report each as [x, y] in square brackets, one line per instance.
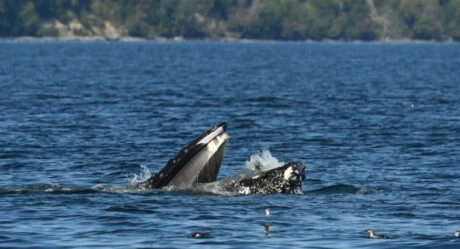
[457, 233]
[267, 211]
[372, 235]
[266, 226]
[195, 235]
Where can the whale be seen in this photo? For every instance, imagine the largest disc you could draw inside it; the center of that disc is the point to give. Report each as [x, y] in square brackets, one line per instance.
[200, 161]
[286, 179]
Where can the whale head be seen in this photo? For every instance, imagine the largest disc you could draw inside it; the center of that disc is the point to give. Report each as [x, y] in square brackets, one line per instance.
[286, 179]
[198, 162]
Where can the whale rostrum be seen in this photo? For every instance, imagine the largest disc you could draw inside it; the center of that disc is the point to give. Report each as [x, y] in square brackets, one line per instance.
[286, 179]
[200, 161]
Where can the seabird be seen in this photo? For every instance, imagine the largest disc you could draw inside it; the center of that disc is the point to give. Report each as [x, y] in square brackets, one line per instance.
[372, 235]
[266, 226]
[195, 235]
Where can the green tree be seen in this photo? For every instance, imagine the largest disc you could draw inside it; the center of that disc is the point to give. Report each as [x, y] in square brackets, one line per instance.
[452, 19]
[29, 19]
[254, 19]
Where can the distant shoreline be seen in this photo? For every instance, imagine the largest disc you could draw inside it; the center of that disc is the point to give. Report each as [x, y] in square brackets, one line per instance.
[180, 39]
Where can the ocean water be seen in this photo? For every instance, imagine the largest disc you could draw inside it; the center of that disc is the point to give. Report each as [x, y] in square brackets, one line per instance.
[377, 125]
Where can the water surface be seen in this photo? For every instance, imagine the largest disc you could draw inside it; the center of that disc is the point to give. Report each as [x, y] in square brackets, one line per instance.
[377, 125]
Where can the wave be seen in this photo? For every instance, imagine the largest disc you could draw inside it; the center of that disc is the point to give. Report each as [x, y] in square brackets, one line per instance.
[132, 186]
[50, 188]
[261, 161]
[204, 189]
[341, 189]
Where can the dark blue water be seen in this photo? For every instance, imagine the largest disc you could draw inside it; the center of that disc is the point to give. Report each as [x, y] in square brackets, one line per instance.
[377, 125]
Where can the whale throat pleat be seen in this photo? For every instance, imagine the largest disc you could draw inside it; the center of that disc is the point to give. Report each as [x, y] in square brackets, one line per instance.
[198, 162]
[211, 169]
[204, 166]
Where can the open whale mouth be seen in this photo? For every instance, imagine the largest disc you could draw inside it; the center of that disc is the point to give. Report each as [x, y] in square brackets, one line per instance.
[198, 162]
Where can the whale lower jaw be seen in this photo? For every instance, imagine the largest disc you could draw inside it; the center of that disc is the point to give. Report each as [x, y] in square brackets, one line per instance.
[198, 162]
[204, 166]
[286, 179]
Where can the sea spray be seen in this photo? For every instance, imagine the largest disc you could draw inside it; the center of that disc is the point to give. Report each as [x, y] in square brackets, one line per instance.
[263, 161]
[143, 176]
[132, 187]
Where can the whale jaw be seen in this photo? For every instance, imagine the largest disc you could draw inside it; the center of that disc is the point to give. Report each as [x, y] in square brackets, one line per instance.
[198, 162]
[286, 179]
[204, 166]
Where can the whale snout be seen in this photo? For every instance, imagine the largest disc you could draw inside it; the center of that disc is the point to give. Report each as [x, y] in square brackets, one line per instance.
[299, 169]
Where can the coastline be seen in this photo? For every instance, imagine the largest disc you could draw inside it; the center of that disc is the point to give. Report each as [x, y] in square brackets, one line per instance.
[223, 40]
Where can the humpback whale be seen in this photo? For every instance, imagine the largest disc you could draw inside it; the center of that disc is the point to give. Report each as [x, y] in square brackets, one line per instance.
[286, 179]
[199, 163]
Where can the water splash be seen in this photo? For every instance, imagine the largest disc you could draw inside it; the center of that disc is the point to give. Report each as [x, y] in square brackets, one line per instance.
[122, 189]
[54, 188]
[143, 176]
[132, 187]
[263, 161]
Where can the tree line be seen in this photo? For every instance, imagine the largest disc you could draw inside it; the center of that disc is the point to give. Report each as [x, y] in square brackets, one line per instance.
[238, 19]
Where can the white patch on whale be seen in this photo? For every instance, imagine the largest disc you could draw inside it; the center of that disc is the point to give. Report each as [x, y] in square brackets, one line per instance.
[288, 173]
[245, 191]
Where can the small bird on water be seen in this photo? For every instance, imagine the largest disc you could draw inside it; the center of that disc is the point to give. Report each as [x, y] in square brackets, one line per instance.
[195, 235]
[266, 226]
[267, 211]
[457, 233]
[372, 235]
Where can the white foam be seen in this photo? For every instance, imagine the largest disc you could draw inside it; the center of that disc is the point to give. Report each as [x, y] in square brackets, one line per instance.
[143, 176]
[54, 188]
[132, 187]
[121, 188]
[263, 161]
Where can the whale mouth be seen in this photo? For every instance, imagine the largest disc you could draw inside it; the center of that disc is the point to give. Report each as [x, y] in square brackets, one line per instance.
[198, 162]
